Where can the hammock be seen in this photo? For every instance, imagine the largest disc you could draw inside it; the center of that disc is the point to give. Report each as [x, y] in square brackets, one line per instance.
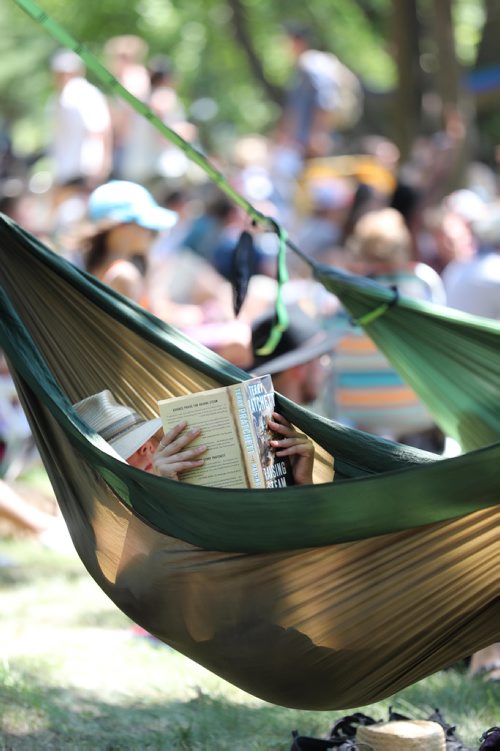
[450, 359]
[322, 597]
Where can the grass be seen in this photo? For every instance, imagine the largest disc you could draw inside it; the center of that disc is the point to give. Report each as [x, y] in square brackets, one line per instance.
[72, 676]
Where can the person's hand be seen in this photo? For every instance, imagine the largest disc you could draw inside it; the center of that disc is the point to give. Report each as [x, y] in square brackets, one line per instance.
[173, 457]
[297, 446]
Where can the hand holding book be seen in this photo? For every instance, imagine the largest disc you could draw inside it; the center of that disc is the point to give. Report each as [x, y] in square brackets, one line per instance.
[174, 456]
[245, 442]
[232, 437]
[298, 447]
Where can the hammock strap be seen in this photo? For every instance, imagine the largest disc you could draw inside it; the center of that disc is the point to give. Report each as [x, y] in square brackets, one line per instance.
[372, 315]
[281, 312]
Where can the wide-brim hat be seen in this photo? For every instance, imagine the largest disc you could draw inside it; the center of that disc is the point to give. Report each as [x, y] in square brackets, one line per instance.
[122, 427]
[402, 735]
[304, 340]
[124, 202]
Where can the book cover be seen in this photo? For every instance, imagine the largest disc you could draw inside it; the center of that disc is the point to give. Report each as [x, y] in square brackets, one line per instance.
[233, 421]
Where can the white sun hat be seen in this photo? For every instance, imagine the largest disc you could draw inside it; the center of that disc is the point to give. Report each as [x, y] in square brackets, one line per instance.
[122, 427]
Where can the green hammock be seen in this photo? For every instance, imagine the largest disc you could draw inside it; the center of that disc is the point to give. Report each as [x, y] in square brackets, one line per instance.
[451, 359]
[327, 596]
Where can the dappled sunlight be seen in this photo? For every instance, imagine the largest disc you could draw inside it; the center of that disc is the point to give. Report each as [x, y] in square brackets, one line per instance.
[73, 668]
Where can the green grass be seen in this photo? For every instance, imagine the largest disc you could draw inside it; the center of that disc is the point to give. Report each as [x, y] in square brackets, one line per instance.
[72, 676]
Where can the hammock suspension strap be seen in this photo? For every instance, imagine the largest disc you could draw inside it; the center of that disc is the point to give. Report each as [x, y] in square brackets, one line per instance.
[372, 315]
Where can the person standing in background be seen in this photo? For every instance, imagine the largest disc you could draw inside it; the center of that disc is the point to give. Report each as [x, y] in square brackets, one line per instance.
[473, 285]
[324, 96]
[125, 57]
[81, 144]
[146, 153]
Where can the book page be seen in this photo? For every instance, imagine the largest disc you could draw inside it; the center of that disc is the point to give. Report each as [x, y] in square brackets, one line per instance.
[211, 411]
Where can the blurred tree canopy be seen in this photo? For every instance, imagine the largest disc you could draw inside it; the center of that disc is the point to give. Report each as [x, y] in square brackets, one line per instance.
[231, 60]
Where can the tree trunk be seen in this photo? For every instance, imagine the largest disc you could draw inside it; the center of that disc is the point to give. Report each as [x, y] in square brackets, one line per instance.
[243, 36]
[457, 107]
[409, 87]
[448, 75]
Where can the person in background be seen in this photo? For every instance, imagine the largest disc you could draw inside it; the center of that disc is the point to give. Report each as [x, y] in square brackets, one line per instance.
[299, 363]
[320, 231]
[143, 445]
[147, 154]
[125, 219]
[447, 239]
[213, 234]
[23, 515]
[368, 393]
[315, 101]
[81, 147]
[380, 247]
[125, 56]
[473, 285]
[181, 289]
[17, 447]
[304, 129]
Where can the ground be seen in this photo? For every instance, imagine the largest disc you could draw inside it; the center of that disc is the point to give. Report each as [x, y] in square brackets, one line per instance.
[73, 675]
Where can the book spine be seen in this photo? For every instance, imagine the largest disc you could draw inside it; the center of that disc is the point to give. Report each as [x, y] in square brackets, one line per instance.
[248, 443]
[259, 393]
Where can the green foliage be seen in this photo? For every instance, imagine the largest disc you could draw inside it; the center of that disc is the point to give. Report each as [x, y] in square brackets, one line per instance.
[199, 37]
[23, 77]
[469, 20]
[211, 64]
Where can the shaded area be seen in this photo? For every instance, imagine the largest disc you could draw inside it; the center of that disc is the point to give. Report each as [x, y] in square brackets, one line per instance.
[95, 687]
[37, 717]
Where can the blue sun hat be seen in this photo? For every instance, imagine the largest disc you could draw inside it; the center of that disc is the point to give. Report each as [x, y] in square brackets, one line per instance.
[125, 202]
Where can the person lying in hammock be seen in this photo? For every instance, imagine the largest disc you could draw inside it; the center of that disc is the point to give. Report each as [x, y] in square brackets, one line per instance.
[144, 445]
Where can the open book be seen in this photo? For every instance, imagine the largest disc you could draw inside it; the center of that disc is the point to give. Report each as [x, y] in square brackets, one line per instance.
[233, 420]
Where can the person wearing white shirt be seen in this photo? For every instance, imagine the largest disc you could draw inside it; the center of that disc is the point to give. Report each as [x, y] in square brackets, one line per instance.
[81, 136]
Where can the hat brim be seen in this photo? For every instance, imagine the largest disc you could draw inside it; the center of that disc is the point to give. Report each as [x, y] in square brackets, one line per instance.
[128, 444]
[151, 217]
[311, 350]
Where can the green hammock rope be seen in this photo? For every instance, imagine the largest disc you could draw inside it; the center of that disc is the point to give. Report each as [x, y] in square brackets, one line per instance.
[281, 311]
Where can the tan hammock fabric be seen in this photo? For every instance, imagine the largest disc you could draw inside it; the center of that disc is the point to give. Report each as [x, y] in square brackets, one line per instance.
[329, 627]
[332, 627]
